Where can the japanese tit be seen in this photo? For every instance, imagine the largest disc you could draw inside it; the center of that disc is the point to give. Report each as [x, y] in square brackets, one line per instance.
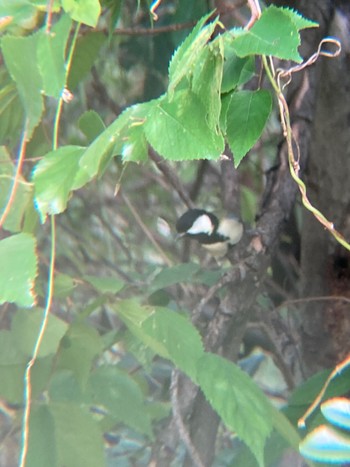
[214, 235]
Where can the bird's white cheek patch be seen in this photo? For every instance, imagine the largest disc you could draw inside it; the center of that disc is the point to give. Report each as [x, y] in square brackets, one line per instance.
[202, 224]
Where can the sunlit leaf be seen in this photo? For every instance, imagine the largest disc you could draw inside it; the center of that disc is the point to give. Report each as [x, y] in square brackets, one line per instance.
[206, 81]
[86, 12]
[55, 176]
[274, 33]
[178, 129]
[185, 57]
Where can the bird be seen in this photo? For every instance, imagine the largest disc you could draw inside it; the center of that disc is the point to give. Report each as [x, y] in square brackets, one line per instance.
[216, 236]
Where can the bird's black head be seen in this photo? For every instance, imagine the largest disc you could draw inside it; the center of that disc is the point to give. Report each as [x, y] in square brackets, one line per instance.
[197, 224]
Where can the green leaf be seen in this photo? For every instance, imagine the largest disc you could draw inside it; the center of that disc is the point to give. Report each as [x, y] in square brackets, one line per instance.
[55, 176]
[41, 444]
[64, 387]
[105, 284]
[174, 275]
[84, 56]
[185, 57]
[237, 71]
[133, 315]
[239, 402]
[79, 348]
[18, 269]
[167, 333]
[26, 327]
[115, 139]
[78, 437]
[22, 11]
[20, 54]
[299, 21]
[178, 129]
[86, 12]
[11, 113]
[51, 57]
[63, 285]
[206, 81]
[247, 114]
[121, 396]
[180, 338]
[91, 124]
[23, 195]
[274, 33]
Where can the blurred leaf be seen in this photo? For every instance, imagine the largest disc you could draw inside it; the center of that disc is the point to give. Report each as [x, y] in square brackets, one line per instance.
[18, 269]
[21, 61]
[179, 273]
[11, 112]
[85, 53]
[239, 402]
[23, 196]
[78, 437]
[178, 335]
[79, 348]
[133, 314]
[55, 176]
[247, 114]
[105, 284]
[178, 129]
[274, 33]
[20, 10]
[325, 444]
[121, 396]
[51, 57]
[63, 285]
[64, 387]
[41, 444]
[26, 326]
[91, 124]
[86, 12]
[337, 412]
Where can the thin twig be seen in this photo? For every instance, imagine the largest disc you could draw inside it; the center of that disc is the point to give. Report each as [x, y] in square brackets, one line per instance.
[43, 326]
[146, 230]
[182, 430]
[21, 155]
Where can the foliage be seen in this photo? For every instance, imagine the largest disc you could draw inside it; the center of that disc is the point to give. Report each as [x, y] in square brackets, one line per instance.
[89, 380]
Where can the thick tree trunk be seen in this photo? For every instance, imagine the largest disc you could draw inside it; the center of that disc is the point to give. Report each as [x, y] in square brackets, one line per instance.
[325, 266]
